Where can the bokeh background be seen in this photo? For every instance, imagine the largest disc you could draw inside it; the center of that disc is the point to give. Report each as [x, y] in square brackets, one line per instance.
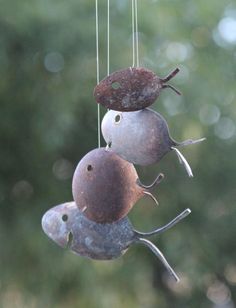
[48, 122]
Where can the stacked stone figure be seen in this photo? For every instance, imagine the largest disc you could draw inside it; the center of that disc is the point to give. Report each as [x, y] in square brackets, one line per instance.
[105, 184]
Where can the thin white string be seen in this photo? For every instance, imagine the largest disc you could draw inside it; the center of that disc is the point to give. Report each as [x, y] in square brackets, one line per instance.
[108, 37]
[98, 73]
[136, 32]
[97, 43]
[133, 33]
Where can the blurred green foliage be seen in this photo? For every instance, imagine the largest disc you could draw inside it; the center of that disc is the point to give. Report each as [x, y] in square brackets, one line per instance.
[48, 122]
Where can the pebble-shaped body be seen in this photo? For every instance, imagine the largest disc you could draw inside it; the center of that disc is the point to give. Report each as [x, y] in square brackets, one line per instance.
[131, 89]
[105, 186]
[66, 223]
[140, 137]
[67, 226]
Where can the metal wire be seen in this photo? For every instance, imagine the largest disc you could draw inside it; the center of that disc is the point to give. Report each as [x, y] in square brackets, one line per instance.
[136, 32]
[98, 74]
[133, 33]
[135, 38]
[108, 37]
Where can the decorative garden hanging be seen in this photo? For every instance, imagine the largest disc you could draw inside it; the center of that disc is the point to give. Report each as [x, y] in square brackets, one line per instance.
[105, 183]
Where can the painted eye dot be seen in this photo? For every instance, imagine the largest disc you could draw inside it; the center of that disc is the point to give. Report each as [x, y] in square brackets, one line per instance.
[115, 85]
[117, 119]
[64, 217]
[89, 168]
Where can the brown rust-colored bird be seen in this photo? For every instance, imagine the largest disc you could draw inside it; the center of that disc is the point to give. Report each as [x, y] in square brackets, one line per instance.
[131, 89]
[105, 187]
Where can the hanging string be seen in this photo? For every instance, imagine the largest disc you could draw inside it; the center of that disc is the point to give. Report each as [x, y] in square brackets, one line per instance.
[98, 73]
[136, 32]
[133, 33]
[135, 38]
[108, 37]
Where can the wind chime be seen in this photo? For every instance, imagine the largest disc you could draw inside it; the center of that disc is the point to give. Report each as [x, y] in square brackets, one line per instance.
[105, 184]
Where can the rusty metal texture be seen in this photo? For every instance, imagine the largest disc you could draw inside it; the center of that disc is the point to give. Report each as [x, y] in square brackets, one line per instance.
[131, 89]
[105, 186]
[140, 137]
[67, 226]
